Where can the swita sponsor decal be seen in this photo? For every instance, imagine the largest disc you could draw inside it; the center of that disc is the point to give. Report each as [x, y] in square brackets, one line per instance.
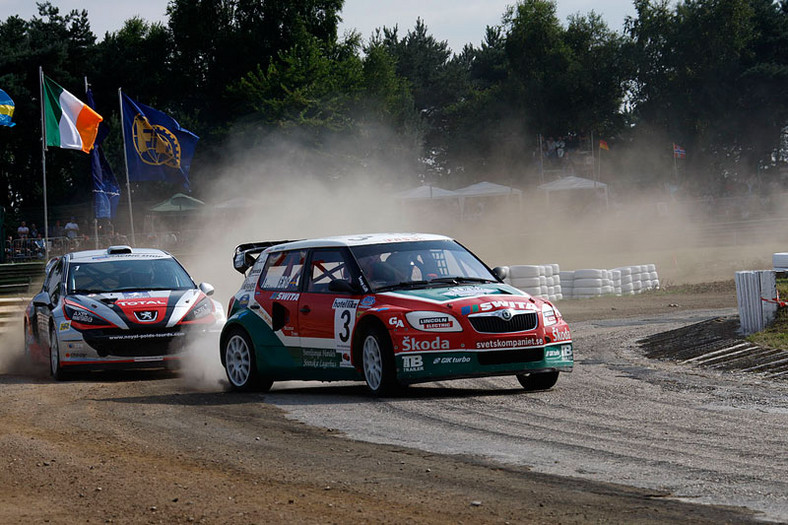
[285, 296]
[412, 343]
[496, 305]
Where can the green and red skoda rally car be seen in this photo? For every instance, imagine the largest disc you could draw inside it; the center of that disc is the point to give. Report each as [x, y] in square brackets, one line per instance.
[388, 309]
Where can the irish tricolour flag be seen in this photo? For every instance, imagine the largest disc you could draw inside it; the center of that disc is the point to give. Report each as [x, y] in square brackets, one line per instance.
[70, 123]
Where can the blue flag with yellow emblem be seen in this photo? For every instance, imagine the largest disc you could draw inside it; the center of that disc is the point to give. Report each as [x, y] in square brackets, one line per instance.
[157, 147]
[6, 110]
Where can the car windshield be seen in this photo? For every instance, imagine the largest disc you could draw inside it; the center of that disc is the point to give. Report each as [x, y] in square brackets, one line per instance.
[121, 275]
[419, 263]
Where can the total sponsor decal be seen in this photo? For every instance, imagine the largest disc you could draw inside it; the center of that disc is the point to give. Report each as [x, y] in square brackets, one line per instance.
[497, 305]
[561, 334]
[130, 303]
[417, 344]
[509, 343]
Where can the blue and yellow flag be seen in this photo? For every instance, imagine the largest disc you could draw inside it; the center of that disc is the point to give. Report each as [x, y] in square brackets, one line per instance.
[6, 110]
[157, 147]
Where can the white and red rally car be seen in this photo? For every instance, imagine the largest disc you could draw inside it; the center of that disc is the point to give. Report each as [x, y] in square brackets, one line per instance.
[120, 307]
[388, 309]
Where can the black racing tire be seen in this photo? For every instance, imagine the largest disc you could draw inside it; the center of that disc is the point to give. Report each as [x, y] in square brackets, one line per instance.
[240, 363]
[377, 362]
[540, 381]
[55, 368]
[27, 340]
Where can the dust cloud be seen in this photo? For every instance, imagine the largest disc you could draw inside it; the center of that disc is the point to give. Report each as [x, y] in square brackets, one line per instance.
[279, 191]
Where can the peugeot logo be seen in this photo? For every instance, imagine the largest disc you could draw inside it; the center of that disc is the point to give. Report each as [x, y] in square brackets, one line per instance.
[146, 316]
[506, 315]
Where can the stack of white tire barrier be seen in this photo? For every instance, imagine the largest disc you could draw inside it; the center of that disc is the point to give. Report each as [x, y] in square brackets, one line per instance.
[548, 281]
[539, 280]
[594, 282]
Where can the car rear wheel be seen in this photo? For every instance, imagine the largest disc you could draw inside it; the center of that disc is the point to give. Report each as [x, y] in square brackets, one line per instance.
[240, 364]
[378, 363]
[541, 381]
[54, 356]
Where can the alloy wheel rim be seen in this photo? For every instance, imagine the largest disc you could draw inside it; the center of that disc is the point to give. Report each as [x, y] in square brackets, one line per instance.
[373, 363]
[238, 360]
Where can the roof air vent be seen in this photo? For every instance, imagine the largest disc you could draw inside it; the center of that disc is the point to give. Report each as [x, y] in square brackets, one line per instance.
[118, 249]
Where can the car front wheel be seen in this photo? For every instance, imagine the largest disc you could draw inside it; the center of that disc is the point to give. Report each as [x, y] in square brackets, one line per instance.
[378, 363]
[240, 364]
[542, 381]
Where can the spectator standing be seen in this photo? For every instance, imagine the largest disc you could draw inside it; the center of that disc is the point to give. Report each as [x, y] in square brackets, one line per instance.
[71, 229]
[23, 232]
[56, 230]
[33, 230]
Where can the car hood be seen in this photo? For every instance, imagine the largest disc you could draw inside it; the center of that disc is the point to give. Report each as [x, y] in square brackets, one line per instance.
[468, 295]
[140, 309]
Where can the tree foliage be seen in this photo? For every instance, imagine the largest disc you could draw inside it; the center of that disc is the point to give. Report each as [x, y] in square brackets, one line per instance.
[711, 75]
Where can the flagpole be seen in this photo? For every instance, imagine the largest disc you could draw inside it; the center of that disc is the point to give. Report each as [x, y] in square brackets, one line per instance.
[126, 160]
[44, 160]
[93, 194]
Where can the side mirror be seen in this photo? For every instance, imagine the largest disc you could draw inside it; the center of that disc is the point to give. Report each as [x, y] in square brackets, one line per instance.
[207, 289]
[42, 299]
[342, 286]
[501, 272]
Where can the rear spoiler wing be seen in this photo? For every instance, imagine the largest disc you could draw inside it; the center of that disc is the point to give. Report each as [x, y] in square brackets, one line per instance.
[246, 254]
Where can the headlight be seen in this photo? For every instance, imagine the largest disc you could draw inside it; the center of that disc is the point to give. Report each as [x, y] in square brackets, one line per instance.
[433, 322]
[549, 314]
[82, 316]
[200, 310]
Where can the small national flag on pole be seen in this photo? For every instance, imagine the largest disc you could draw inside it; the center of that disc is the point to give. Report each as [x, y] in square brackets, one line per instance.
[70, 123]
[679, 152]
[603, 145]
[6, 110]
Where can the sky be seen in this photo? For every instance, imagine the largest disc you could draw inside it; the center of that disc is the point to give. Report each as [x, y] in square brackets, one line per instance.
[458, 23]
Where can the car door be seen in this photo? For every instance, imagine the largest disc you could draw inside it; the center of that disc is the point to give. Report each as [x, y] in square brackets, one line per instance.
[326, 318]
[276, 298]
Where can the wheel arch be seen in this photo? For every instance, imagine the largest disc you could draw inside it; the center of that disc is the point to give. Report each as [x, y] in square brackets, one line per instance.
[364, 324]
[229, 329]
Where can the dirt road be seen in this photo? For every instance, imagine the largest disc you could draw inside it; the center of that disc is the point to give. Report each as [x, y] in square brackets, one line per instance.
[162, 448]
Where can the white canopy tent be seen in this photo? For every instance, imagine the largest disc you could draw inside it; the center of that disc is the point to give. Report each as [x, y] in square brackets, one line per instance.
[426, 192]
[482, 190]
[573, 183]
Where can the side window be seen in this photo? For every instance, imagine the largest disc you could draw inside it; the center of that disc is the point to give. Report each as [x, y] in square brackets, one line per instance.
[325, 266]
[53, 281]
[283, 271]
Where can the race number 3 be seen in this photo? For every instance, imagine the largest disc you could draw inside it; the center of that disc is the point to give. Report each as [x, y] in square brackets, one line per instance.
[344, 321]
